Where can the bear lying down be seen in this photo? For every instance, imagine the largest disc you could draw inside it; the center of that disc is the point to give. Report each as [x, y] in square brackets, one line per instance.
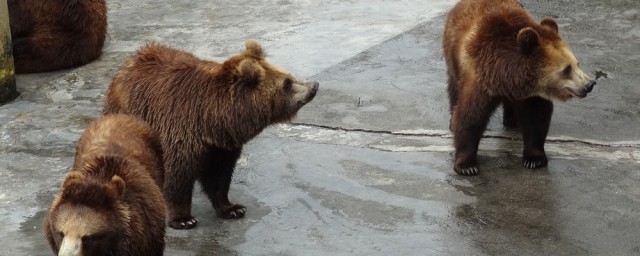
[204, 112]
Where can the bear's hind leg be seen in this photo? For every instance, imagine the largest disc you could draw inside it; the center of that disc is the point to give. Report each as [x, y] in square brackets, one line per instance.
[215, 179]
[508, 115]
[470, 119]
[178, 190]
[179, 206]
[534, 118]
[452, 90]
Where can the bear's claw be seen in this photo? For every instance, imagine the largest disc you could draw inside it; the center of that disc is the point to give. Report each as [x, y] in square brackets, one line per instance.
[533, 164]
[234, 212]
[183, 223]
[469, 171]
[533, 161]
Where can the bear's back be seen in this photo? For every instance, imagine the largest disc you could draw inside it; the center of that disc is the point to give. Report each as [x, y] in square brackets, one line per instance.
[472, 18]
[84, 16]
[160, 57]
[160, 84]
[125, 137]
[172, 72]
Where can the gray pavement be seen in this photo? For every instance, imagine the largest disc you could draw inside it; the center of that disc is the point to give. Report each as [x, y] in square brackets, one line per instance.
[366, 168]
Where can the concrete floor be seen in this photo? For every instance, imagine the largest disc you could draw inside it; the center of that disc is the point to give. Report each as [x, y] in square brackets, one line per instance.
[366, 168]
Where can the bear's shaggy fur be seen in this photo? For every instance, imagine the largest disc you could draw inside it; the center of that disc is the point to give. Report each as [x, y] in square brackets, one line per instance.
[111, 203]
[204, 113]
[497, 53]
[50, 35]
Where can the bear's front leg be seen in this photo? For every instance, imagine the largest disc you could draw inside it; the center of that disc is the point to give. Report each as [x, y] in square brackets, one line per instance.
[215, 179]
[470, 119]
[534, 116]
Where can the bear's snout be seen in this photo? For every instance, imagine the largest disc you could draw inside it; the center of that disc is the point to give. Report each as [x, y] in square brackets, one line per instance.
[590, 86]
[586, 89]
[314, 89]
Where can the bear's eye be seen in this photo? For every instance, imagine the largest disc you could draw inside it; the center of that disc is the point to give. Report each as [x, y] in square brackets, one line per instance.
[61, 234]
[288, 84]
[94, 237]
[567, 70]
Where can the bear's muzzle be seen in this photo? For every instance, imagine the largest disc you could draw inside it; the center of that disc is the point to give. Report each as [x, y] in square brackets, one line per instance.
[585, 90]
[312, 93]
[590, 85]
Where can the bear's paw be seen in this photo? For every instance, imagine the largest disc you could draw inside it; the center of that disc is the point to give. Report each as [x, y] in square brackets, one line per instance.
[469, 171]
[183, 223]
[533, 163]
[235, 211]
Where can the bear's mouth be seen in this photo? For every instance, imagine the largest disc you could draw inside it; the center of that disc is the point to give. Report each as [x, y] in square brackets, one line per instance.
[582, 91]
[579, 94]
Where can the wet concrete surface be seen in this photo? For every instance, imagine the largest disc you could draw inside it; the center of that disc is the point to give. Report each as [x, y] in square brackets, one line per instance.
[366, 168]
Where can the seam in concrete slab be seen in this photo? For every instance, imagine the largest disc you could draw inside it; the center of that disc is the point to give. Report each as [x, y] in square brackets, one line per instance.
[508, 135]
[440, 141]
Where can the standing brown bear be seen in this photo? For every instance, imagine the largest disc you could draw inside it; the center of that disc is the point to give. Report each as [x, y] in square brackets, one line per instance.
[497, 53]
[111, 202]
[49, 35]
[204, 113]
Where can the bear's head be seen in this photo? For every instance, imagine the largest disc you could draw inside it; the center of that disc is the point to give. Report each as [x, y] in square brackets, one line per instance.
[259, 86]
[88, 216]
[560, 76]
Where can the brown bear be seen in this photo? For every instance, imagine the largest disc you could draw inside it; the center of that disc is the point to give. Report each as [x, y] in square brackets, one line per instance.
[111, 202]
[49, 35]
[497, 53]
[204, 112]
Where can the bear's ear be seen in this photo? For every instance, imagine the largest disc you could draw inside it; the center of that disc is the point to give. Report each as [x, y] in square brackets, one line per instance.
[118, 185]
[250, 73]
[72, 178]
[550, 23]
[528, 40]
[253, 50]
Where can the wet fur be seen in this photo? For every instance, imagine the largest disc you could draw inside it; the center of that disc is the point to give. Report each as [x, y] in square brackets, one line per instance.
[489, 63]
[204, 112]
[50, 35]
[116, 173]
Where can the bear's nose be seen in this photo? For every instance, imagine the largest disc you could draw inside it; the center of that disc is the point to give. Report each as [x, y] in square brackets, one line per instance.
[590, 85]
[313, 91]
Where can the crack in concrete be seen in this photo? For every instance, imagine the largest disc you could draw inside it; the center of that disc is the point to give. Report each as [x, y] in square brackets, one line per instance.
[440, 141]
[337, 128]
[504, 135]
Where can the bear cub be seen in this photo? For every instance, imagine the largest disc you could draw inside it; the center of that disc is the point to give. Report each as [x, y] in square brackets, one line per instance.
[111, 201]
[204, 113]
[496, 53]
[49, 35]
